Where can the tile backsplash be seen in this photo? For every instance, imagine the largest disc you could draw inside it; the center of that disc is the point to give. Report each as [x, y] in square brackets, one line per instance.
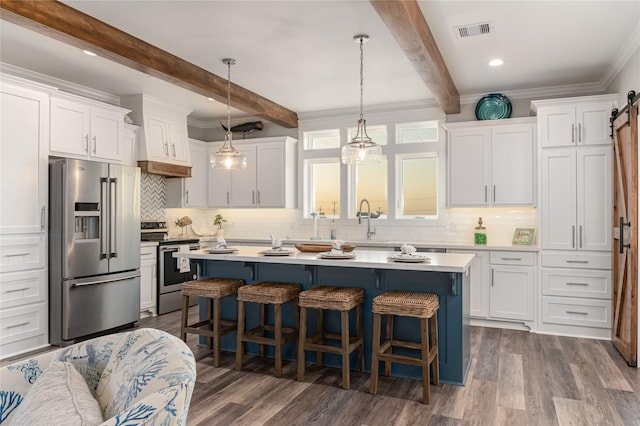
[153, 197]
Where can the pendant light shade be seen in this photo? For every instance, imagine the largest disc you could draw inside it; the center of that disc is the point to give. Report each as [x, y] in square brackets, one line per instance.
[227, 157]
[361, 149]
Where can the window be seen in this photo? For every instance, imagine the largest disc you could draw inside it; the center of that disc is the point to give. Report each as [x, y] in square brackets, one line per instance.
[322, 139]
[418, 185]
[324, 186]
[423, 131]
[371, 183]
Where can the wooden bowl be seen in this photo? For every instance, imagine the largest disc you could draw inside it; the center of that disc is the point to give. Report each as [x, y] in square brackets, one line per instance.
[319, 247]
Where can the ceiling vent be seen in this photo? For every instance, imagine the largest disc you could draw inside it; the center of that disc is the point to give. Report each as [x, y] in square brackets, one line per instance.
[464, 31]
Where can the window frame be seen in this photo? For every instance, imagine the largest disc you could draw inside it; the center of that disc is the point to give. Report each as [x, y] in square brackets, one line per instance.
[399, 185]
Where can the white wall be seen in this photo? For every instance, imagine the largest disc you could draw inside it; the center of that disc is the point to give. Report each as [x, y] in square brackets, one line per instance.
[628, 79]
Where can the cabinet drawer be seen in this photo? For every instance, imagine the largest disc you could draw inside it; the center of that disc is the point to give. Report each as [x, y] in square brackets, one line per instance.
[576, 283]
[580, 312]
[22, 288]
[576, 260]
[148, 253]
[512, 258]
[22, 253]
[22, 323]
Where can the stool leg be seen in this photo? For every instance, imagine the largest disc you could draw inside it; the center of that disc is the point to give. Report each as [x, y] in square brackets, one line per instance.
[216, 332]
[263, 314]
[185, 318]
[435, 366]
[277, 308]
[210, 314]
[302, 337]
[360, 337]
[374, 353]
[424, 344]
[321, 331]
[346, 370]
[240, 333]
[387, 364]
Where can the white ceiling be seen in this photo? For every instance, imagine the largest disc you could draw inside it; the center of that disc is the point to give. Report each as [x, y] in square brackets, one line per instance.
[301, 55]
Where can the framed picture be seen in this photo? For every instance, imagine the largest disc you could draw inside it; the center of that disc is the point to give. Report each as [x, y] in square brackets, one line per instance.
[524, 236]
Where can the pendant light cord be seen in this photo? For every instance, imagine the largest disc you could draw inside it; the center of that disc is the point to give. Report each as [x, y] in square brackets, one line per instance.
[229, 98]
[361, 78]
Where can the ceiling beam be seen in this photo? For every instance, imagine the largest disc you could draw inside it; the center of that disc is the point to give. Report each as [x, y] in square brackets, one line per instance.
[407, 24]
[71, 26]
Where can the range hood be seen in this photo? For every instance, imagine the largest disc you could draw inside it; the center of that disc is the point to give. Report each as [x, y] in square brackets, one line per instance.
[163, 142]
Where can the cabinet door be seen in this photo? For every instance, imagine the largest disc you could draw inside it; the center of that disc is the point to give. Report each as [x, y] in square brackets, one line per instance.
[157, 139]
[512, 165]
[106, 131]
[558, 201]
[512, 292]
[479, 292]
[178, 143]
[148, 285]
[196, 186]
[594, 199]
[70, 122]
[271, 175]
[593, 123]
[24, 149]
[219, 184]
[469, 167]
[243, 182]
[557, 126]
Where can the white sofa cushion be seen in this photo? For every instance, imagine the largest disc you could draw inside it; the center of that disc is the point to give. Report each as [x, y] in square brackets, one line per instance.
[60, 396]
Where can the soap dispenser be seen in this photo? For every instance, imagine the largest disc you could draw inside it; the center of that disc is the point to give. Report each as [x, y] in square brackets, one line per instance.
[480, 236]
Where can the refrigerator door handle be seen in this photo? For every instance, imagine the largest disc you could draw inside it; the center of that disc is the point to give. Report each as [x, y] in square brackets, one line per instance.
[113, 191]
[104, 228]
[112, 280]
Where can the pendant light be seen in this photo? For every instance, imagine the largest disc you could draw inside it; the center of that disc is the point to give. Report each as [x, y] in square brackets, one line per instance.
[361, 149]
[228, 157]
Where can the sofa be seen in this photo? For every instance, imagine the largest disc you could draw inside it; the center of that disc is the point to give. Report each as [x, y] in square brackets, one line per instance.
[141, 377]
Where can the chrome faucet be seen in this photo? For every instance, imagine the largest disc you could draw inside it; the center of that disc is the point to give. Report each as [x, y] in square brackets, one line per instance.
[369, 231]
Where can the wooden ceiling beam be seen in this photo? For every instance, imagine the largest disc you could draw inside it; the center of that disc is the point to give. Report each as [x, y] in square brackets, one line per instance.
[73, 27]
[407, 24]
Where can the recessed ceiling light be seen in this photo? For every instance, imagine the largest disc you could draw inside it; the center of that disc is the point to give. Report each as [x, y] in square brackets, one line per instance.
[211, 99]
[496, 62]
[90, 53]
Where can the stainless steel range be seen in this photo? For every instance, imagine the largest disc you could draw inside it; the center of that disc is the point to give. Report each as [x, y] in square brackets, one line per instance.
[170, 278]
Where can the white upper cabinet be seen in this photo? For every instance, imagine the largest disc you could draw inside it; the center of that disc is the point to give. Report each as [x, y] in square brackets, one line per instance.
[491, 163]
[81, 128]
[191, 192]
[163, 136]
[24, 148]
[267, 181]
[575, 121]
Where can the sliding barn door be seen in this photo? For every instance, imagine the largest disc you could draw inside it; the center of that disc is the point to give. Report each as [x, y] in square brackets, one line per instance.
[625, 247]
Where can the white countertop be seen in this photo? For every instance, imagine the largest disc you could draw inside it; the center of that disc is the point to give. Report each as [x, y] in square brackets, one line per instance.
[384, 244]
[440, 262]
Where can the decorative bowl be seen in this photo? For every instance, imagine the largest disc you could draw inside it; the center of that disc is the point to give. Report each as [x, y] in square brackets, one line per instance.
[320, 248]
[493, 106]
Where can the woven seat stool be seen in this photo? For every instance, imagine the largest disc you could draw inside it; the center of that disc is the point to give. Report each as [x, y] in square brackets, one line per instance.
[402, 303]
[267, 293]
[213, 289]
[341, 299]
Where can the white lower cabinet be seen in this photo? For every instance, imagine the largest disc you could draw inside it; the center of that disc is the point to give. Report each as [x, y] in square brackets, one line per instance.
[148, 280]
[576, 294]
[479, 291]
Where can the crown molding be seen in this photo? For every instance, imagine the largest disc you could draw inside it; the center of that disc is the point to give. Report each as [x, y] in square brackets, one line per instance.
[627, 50]
[62, 85]
[542, 92]
[369, 109]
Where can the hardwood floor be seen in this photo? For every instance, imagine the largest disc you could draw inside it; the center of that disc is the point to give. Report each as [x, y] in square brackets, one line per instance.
[516, 378]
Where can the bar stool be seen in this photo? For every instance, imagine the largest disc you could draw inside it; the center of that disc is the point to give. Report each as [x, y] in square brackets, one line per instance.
[402, 303]
[337, 299]
[214, 289]
[267, 293]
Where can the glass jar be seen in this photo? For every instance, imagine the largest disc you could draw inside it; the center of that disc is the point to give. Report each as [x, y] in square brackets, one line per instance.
[480, 234]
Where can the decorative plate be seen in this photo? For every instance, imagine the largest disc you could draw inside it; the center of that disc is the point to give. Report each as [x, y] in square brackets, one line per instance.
[272, 252]
[329, 255]
[222, 250]
[409, 258]
[493, 106]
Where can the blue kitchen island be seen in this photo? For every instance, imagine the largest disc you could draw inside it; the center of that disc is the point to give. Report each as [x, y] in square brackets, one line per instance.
[447, 275]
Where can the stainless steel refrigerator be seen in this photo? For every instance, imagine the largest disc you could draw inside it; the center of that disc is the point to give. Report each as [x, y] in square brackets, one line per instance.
[94, 248]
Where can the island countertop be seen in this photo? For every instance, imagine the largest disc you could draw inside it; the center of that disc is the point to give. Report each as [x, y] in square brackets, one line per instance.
[438, 262]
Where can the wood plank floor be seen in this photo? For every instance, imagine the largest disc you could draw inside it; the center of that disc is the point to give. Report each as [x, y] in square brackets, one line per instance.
[516, 378]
